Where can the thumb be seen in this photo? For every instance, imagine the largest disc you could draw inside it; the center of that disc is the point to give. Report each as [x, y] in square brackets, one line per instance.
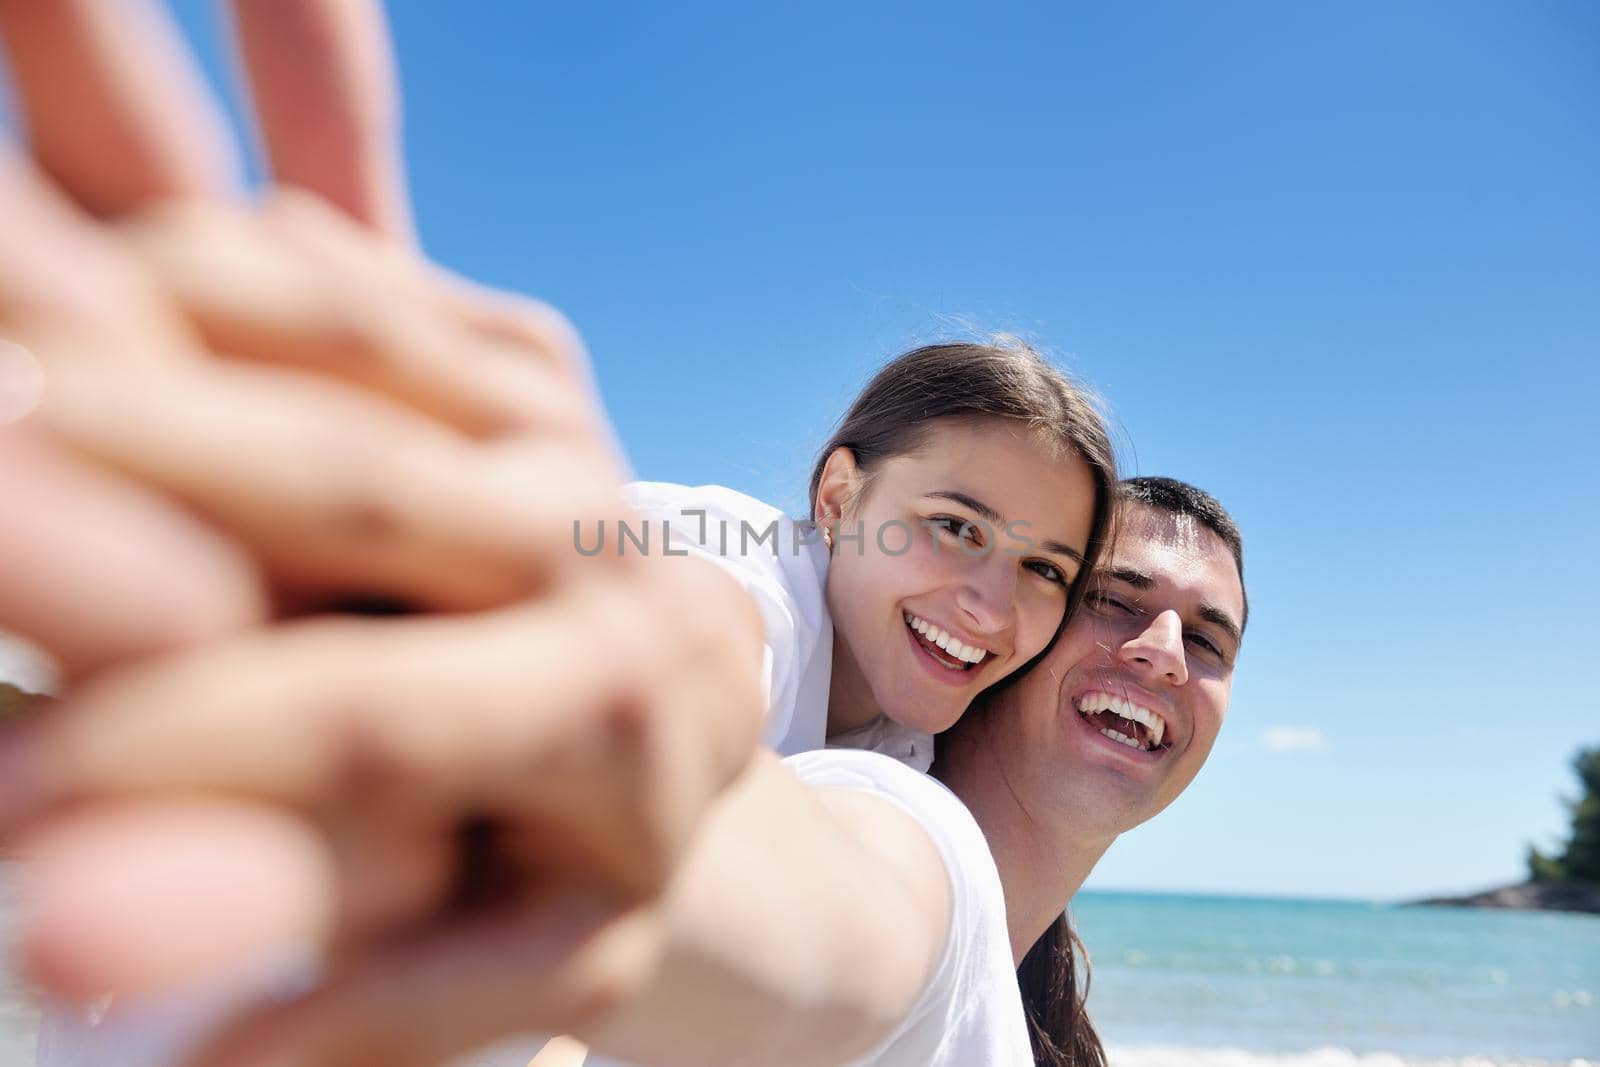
[143, 898]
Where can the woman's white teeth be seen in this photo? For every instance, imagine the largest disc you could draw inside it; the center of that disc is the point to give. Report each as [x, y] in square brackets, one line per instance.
[1093, 703]
[939, 637]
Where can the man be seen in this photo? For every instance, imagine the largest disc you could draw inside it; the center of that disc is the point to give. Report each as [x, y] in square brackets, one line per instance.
[1156, 639]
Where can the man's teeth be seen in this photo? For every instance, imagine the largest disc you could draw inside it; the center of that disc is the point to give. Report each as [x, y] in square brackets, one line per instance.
[1093, 703]
[1124, 738]
[938, 637]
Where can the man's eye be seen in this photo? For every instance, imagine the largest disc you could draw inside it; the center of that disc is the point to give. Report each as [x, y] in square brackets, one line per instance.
[1206, 643]
[1102, 601]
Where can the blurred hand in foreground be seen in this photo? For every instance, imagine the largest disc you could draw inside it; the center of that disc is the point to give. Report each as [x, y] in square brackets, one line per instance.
[253, 411]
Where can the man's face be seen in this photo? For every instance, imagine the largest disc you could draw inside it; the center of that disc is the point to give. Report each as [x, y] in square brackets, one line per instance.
[1119, 717]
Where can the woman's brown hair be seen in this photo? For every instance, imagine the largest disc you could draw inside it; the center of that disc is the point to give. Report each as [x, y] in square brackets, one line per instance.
[1002, 379]
[1058, 1020]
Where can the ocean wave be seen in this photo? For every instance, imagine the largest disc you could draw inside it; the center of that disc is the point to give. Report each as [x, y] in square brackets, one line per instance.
[1179, 1056]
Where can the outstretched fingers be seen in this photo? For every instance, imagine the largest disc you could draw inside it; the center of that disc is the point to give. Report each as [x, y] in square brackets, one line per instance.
[299, 284]
[146, 896]
[94, 568]
[323, 81]
[327, 714]
[98, 572]
[99, 82]
[142, 895]
[556, 962]
[115, 81]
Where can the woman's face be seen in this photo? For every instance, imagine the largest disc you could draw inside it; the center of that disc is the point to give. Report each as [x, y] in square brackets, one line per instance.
[951, 570]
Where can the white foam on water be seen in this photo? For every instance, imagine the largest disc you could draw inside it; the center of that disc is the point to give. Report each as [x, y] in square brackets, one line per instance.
[1177, 1056]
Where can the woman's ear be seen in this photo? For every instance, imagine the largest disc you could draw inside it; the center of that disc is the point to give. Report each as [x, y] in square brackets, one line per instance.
[838, 487]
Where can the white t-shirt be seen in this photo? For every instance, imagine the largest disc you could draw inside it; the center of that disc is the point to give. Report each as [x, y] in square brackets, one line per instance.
[970, 1012]
[783, 565]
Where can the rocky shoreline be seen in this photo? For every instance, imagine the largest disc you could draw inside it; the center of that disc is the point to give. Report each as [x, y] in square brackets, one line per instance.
[1527, 896]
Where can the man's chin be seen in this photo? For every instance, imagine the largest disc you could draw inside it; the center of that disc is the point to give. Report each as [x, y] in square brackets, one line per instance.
[1104, 803]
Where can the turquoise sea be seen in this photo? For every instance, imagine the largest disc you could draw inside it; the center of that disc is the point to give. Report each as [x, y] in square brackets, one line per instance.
[1220, 981]
[1203, 981]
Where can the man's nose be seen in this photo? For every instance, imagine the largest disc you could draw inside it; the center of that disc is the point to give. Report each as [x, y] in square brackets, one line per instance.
[1158, 649]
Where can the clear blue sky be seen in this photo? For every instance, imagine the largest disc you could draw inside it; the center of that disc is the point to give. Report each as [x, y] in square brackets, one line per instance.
[1338, 264]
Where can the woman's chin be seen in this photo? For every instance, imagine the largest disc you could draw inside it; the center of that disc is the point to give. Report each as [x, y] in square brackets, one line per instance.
[926, 716]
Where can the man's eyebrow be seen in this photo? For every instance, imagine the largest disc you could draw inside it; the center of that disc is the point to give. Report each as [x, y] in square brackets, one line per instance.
[1221, 619]
[994, 518]
[1207, 611]
[1129, 576]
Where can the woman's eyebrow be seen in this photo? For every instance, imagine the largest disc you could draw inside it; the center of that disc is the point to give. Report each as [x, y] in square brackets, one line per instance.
[988, 514]
[994, 518]
[1062, 550]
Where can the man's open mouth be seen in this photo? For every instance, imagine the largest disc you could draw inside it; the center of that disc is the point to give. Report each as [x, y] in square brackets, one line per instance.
[945, 649]
[1122, 720]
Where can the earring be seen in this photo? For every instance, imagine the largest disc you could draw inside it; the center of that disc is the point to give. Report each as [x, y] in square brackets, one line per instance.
[827, 536]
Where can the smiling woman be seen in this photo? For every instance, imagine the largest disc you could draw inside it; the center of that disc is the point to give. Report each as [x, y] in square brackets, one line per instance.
[952, 511]
[998, 522]
[1007, 466]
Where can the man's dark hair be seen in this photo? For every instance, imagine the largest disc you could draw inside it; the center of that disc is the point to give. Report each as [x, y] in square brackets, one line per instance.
[1181, 498]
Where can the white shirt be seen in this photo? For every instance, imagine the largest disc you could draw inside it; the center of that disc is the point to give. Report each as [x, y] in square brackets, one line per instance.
[783, 565]
[970, 1012]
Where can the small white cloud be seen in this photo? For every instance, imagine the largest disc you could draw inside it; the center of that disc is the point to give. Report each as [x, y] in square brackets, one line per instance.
[1293, 739]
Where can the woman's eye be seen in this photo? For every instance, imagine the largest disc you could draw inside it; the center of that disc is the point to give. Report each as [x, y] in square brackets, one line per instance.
[1048, 571]
[957, 527]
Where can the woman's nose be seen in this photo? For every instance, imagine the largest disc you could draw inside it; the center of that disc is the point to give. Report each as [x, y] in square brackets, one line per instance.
[987, 597]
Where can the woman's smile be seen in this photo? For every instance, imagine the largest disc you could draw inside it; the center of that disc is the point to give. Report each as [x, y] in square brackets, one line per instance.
[939, 664]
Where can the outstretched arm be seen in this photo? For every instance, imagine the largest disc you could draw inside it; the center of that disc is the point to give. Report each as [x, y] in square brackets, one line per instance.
[430, 445]
[800, 931]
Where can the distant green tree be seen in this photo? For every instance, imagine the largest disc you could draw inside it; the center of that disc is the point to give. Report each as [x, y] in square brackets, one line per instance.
[1542, 868]
[1580, 860]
